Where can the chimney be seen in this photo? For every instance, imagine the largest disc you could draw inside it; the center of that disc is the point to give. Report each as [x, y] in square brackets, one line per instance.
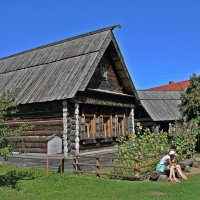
[170, 82]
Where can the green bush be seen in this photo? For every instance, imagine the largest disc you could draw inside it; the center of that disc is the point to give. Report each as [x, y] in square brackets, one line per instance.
[185, 137]
[145, 144]
[8, 110]
[10, 176]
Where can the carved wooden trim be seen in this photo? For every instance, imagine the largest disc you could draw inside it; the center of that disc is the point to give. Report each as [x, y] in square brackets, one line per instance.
[132, 120]
[65, 113]
[77, 140]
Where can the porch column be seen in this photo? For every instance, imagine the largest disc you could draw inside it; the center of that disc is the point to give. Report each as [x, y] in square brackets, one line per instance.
[77, 140]
[65, 143]
[132, 120]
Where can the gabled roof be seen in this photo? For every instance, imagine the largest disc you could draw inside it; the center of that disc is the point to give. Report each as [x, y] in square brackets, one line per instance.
[59, 70]
[173, 86]
[161, 105]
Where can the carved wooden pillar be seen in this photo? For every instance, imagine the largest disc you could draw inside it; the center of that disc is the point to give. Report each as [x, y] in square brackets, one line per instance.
[77, 140]
[132, 120]
[65, 143]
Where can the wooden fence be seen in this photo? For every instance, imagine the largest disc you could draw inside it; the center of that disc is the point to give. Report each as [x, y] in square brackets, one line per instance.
[105, 165]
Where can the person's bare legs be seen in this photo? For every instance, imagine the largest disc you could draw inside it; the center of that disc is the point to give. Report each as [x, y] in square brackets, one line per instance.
[174, 175]
[181, 173]
[171, 171]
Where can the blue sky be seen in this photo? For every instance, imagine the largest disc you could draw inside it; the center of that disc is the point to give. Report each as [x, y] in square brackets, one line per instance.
[159, 39]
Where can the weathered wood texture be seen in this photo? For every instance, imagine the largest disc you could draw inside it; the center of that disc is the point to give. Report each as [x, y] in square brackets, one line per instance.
[59, 70]
[99, 123]
[40, 80]
[96, 125]
[105, 99]
[110, 81]
[99, 166]
[39, 162]
[187, 162]
[65, 127]
[160, 105]
[154, 175]
[70, 71]
[46, 119]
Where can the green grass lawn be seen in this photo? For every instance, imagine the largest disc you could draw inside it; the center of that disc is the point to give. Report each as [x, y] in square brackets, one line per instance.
[70, 186]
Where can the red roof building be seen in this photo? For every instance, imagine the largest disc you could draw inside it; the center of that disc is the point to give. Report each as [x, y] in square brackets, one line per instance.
[173, 86]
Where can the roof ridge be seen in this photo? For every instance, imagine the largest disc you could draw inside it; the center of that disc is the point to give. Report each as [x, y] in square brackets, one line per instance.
[64, 40]
[159, 90]
[169, 85]
[173, 83]
[160, 99]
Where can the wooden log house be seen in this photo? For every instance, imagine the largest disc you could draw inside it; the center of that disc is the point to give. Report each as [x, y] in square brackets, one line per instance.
[78, 88]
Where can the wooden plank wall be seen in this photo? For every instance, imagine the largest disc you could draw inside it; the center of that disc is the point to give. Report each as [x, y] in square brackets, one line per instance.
[111, 83]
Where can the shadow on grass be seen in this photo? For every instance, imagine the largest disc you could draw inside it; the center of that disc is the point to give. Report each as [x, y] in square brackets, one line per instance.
[11, 178]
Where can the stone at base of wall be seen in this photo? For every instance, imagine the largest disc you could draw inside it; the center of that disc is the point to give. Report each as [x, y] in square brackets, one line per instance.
[163, 178]
[196, 164]
[187, 169]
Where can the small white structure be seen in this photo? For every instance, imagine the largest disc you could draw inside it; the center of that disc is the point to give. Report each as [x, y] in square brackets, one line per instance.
[54, 145]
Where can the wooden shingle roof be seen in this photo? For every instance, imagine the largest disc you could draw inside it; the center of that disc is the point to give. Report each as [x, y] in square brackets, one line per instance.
[58, 70]
[161, 105]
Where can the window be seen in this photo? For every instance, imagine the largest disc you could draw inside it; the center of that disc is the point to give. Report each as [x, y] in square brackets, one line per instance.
[104, 69]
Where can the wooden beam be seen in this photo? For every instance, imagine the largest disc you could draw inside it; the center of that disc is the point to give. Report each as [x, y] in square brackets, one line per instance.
[65, 144]
[132, 120]
[97, 101]
[111, 126]
[77, 140]
[95, 121]
[123, 125]
[116, 126]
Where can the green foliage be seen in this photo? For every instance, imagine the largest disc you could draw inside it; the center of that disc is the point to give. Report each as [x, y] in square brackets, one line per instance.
[190, 99]
[185, 137]
[145, 144]
[10, 176]
[7, 104]
[8, 109]
[190, 107]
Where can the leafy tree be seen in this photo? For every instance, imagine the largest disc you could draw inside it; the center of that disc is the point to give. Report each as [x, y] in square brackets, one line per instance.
[190, 99]
[8, 108]
[190, 108]
[185, 138]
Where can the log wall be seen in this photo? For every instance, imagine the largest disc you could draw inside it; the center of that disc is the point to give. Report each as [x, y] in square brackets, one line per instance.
[47, 120]
[86, 125]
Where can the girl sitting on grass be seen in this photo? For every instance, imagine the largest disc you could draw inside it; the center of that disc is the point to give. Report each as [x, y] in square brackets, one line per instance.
[168, 162]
